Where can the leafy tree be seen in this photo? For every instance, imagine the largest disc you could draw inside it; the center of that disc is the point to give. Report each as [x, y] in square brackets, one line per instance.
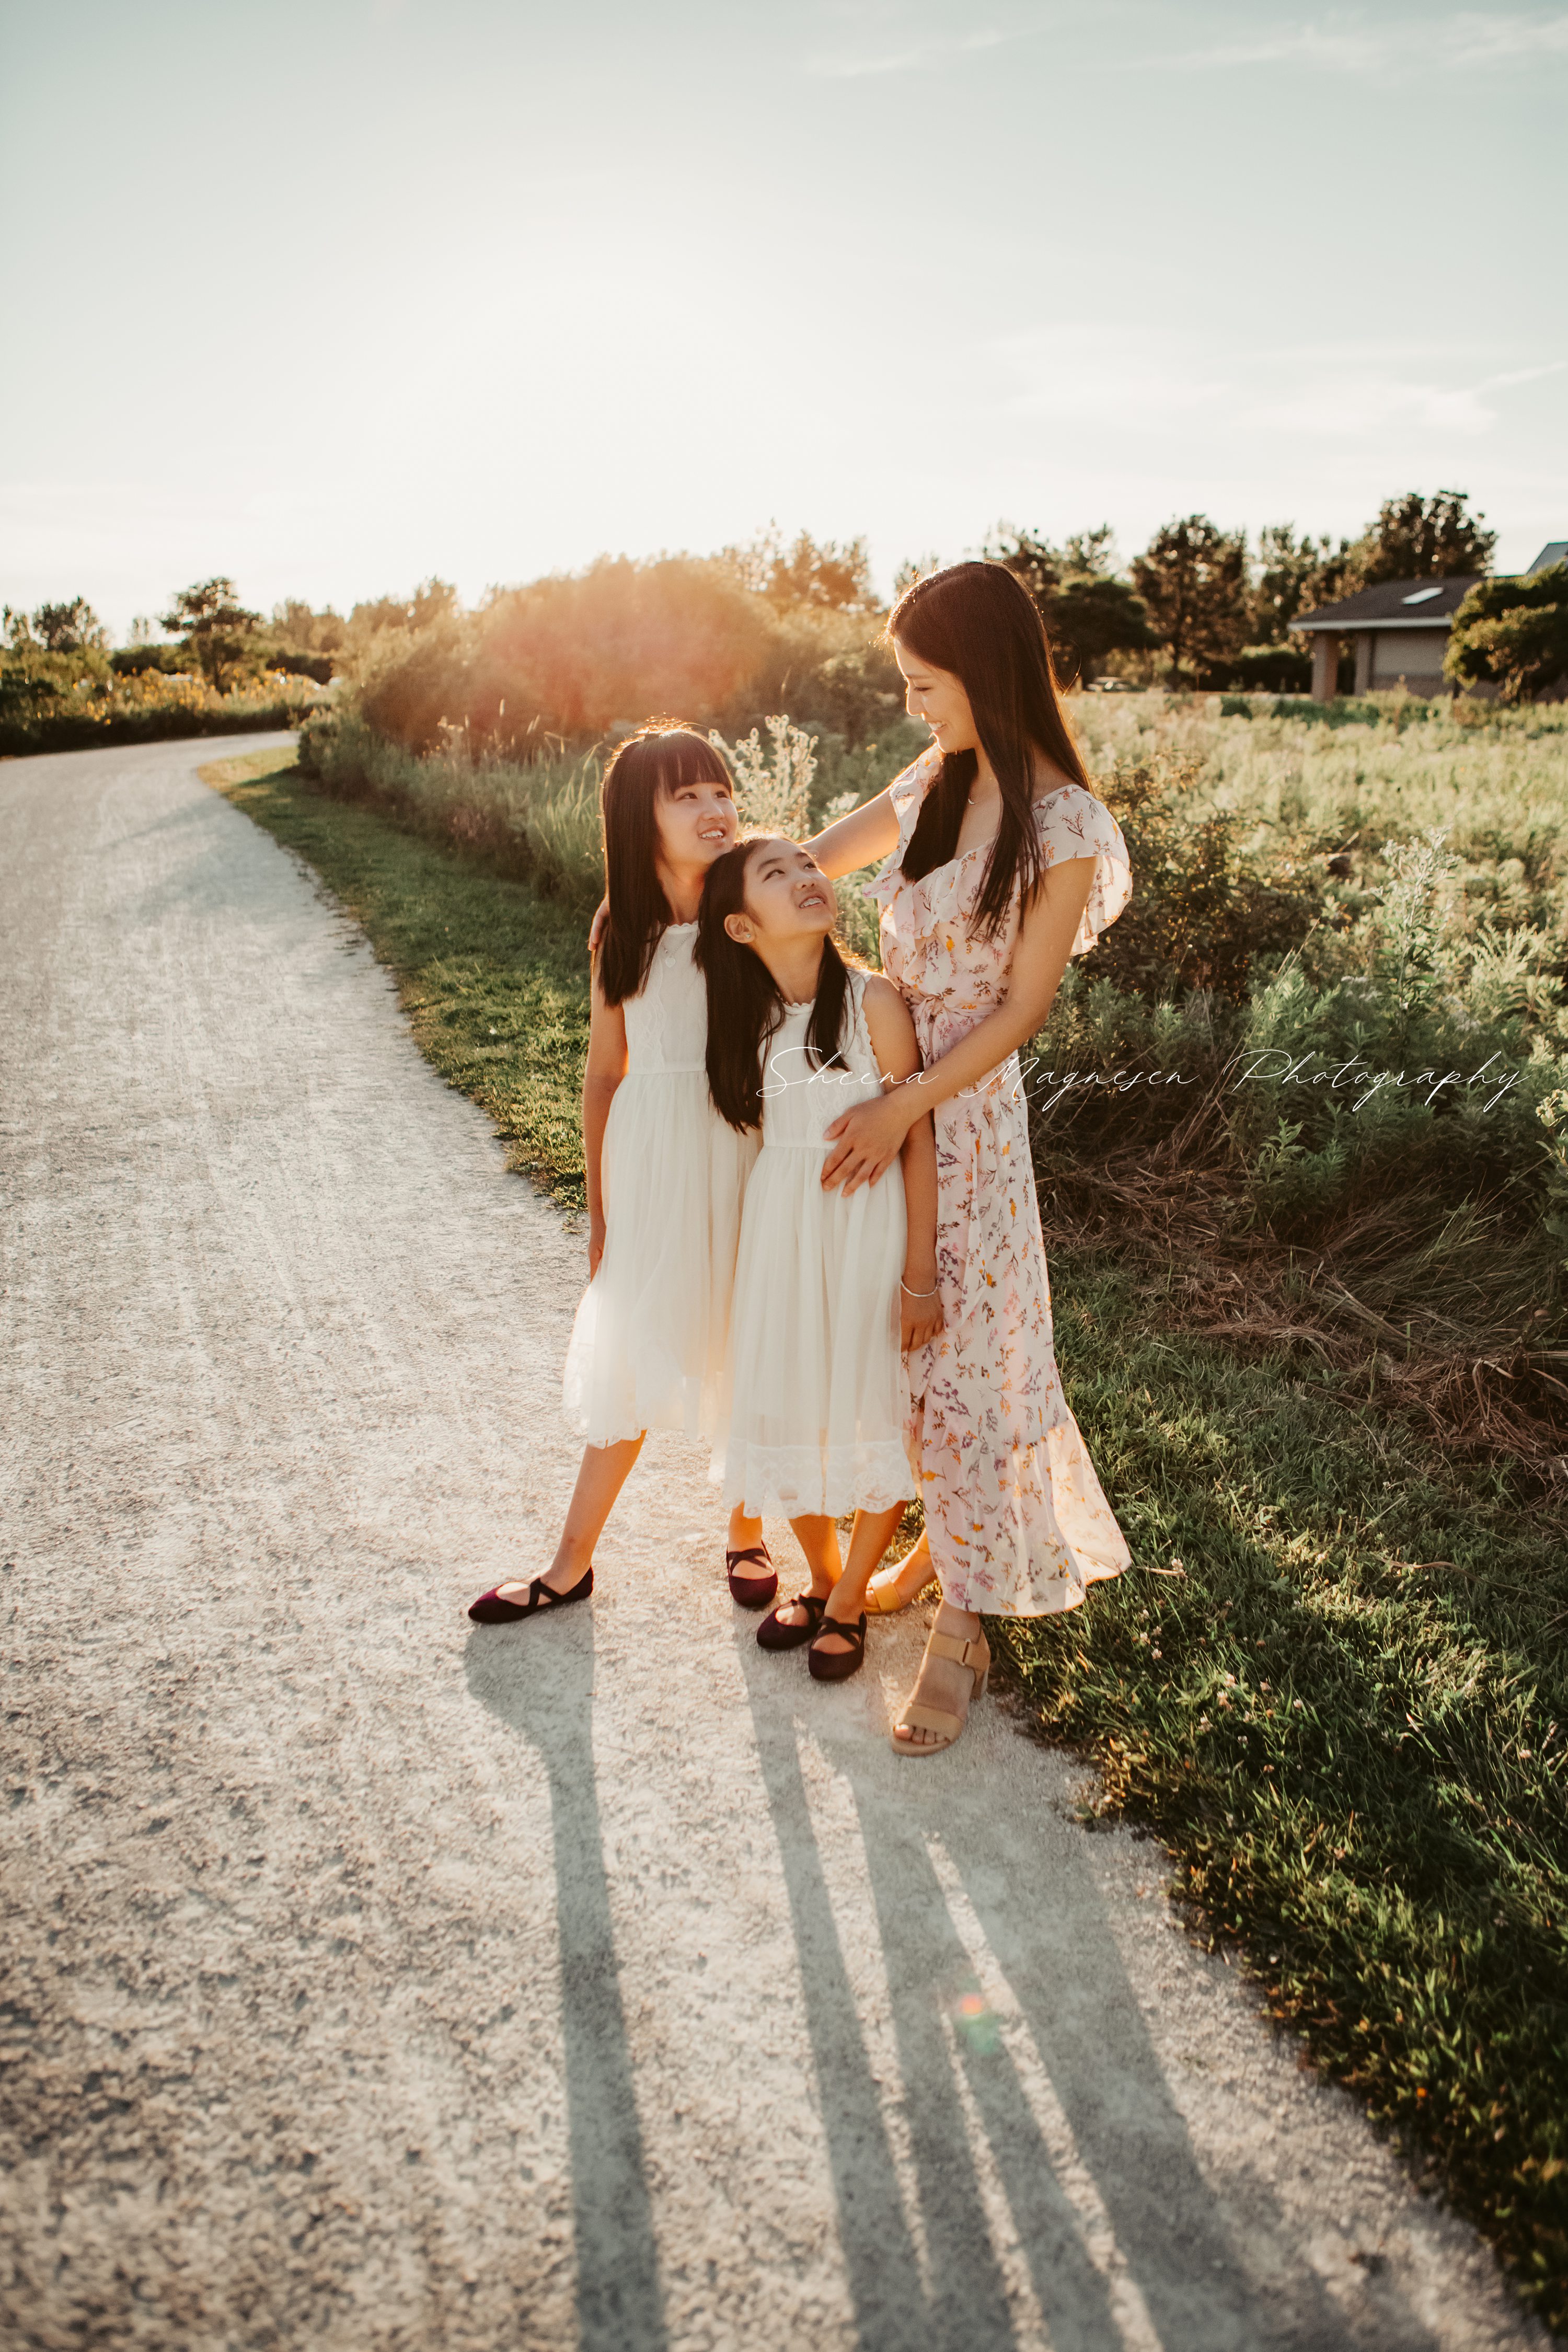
[213, 628]
[301, 628]
[1089, 612]
[1422, 538]
[914, 568]
[833, 578]
[1193, 579]
[1512, 634]
[433, 601]
[73, 628]
[1293, 575]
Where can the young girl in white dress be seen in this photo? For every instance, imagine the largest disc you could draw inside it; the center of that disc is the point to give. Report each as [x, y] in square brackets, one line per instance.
[665, 1175]
[829, 1288]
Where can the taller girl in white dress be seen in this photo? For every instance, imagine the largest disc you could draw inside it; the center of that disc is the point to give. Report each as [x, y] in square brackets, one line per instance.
[830, 1286]
[665, 1175]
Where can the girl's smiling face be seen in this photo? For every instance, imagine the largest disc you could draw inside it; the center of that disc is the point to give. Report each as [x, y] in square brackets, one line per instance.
[697, 823]
[787, 897]
[938, 698]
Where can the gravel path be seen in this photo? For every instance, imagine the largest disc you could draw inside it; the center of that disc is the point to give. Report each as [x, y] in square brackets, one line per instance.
[374, 1980]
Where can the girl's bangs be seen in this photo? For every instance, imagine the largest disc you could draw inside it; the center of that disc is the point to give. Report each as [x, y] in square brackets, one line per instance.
[685, 759]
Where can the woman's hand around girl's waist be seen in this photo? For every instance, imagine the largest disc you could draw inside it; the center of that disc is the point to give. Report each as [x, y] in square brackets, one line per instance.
[863, 1143]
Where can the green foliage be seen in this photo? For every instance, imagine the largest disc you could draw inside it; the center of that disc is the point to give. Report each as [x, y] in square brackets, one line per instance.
[563, 660]
[1089, 612]
[493, 977]
[1338, 1691]
[1512, 634]
[1192, 578]
[1293, 575]
[1421, 538]
[1272, 669]
[833, 578]
[213, 628]
[73, 628]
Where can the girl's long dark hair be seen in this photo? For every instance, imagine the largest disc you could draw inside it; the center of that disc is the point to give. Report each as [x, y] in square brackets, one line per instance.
[744, 1006]
[660, 758]
[979, 622]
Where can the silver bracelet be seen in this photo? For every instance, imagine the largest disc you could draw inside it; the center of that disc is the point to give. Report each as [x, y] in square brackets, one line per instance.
[920, 1294]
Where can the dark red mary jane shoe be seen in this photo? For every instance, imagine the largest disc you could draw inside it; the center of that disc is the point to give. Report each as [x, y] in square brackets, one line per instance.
[490, 1608]
[771, 1636]
[751, 1592]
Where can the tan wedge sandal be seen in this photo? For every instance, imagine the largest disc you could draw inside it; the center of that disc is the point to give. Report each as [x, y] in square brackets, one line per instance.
[976, 1655]
[888, 1600]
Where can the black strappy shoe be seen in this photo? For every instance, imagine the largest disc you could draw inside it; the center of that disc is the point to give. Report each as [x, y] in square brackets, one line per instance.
[837, 1665]
[490, 1608]
[775, 1636]
[751, 1592]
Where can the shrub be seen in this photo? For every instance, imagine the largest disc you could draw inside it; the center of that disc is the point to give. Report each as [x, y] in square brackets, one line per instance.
[1512, 635]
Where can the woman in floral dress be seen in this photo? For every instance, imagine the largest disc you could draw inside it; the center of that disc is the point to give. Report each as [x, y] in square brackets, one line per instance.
[1000, 865]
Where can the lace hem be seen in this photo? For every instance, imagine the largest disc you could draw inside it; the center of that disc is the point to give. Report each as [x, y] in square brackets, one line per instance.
[797, 1482]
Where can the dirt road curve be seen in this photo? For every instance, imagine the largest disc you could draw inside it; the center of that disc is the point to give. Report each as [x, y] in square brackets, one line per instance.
[375, 1981]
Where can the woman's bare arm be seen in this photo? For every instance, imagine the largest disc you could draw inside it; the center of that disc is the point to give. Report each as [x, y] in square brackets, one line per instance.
[867, 1139]
[864, 837]
[605, 1069]
[899, 1055]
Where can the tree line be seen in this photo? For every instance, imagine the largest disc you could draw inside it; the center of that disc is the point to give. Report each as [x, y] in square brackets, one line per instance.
[1200, 607]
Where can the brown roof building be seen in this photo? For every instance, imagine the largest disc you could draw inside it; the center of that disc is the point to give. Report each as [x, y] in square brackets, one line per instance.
[1399, 630]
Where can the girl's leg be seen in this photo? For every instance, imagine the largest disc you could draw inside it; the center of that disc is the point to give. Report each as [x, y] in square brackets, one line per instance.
[744, 1532]
[818, 1540]
[872, 1533]
[604, 1470]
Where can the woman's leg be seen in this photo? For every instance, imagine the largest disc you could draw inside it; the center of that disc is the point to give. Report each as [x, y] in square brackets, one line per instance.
[908, 1579]
[818, 1540]
[604, 1470]
[941, 1683]
[872, 1533]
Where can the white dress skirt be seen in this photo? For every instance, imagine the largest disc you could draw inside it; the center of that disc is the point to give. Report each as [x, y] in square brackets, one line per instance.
[815, 1422]
[649, 1347]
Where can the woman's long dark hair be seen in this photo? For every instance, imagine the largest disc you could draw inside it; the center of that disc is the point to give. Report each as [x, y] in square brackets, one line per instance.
[979, 622]
[744, 1006]
[660, 758]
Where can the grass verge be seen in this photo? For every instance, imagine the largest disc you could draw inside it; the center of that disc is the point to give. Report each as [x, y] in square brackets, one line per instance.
[494, 980]
[1335, 1685]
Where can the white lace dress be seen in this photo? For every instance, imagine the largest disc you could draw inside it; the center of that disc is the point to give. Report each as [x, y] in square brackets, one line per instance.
[818, 1400]
[649, 1344]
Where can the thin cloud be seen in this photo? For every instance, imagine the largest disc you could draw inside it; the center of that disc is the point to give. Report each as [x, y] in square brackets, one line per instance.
[1468, 39]
[918, 57]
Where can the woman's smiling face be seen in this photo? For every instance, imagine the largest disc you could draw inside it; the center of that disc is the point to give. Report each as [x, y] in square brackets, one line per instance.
[787, 896]
[697, 823]
[938, 698]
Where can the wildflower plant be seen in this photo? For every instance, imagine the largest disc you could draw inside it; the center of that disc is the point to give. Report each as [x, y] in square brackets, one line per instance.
[772, 787]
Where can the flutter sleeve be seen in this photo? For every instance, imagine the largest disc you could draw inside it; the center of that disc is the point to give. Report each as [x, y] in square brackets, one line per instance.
[1073, 824]
[906, 792]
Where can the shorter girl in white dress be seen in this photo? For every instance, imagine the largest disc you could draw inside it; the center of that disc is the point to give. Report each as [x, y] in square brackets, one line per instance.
[829, 1288]
[665, 1175]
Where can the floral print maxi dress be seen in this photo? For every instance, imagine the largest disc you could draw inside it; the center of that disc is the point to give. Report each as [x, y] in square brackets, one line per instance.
[1016, 1520]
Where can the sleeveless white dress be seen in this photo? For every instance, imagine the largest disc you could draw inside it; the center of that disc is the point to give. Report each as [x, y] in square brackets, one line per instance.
[818, 1402]
[649, 1347]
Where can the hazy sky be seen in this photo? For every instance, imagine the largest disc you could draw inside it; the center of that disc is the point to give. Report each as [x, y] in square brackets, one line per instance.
[332, 295]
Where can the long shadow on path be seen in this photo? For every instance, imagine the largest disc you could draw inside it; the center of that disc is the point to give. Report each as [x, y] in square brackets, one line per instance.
[1043, 1917]
[543, 1688]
